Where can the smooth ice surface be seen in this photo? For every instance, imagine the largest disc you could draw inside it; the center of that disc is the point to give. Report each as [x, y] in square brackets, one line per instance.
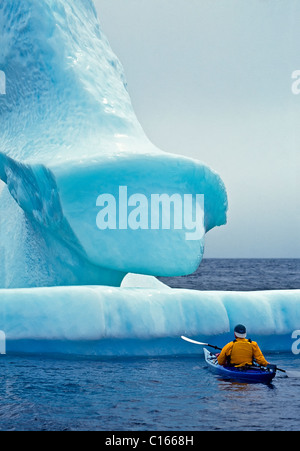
[139, 321]
[141, 281]
[69, 134]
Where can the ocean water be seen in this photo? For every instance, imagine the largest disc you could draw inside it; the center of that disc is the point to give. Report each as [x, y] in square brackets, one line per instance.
[165, 394]
[58, 393]
[241, 275]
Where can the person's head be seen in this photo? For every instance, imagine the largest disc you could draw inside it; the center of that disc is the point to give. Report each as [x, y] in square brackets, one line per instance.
[240, 331]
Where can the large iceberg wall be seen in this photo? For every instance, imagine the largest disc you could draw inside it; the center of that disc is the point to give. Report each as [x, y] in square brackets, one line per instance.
[109, 321]
[69, 134]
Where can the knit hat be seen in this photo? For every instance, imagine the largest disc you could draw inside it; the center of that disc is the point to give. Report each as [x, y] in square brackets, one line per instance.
[240, 331]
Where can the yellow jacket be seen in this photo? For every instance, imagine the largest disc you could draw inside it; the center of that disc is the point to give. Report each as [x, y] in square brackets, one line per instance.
[242, 352]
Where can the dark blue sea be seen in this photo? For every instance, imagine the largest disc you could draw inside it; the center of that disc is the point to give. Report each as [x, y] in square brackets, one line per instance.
[39, 393]
[241, 275]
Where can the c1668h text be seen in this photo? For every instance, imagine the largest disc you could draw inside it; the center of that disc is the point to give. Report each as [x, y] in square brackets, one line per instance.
[153, 440]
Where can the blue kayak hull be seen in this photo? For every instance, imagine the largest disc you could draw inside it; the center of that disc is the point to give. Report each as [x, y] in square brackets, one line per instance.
[249, 375]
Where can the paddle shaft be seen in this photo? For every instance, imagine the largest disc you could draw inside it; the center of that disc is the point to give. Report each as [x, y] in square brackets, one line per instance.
[200, 343]
[214, 347]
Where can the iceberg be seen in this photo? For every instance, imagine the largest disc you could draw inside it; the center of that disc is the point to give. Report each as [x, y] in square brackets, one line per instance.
[69, 135]
[110, 321]
[70, 143]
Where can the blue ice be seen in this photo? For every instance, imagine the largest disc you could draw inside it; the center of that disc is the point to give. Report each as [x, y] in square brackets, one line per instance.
[69, 134]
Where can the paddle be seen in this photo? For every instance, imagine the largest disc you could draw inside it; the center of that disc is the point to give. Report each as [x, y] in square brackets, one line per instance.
[201, 344]
[287, 373]
[290, 374]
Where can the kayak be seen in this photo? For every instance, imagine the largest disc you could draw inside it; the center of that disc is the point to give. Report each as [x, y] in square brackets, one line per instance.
[246, 374]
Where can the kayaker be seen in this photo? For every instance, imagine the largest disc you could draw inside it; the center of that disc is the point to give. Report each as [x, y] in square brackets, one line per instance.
[241, 352]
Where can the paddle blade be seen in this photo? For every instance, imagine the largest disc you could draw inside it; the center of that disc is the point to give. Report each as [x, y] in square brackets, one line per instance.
[193, 341]
[293, 374]
[200, 343]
